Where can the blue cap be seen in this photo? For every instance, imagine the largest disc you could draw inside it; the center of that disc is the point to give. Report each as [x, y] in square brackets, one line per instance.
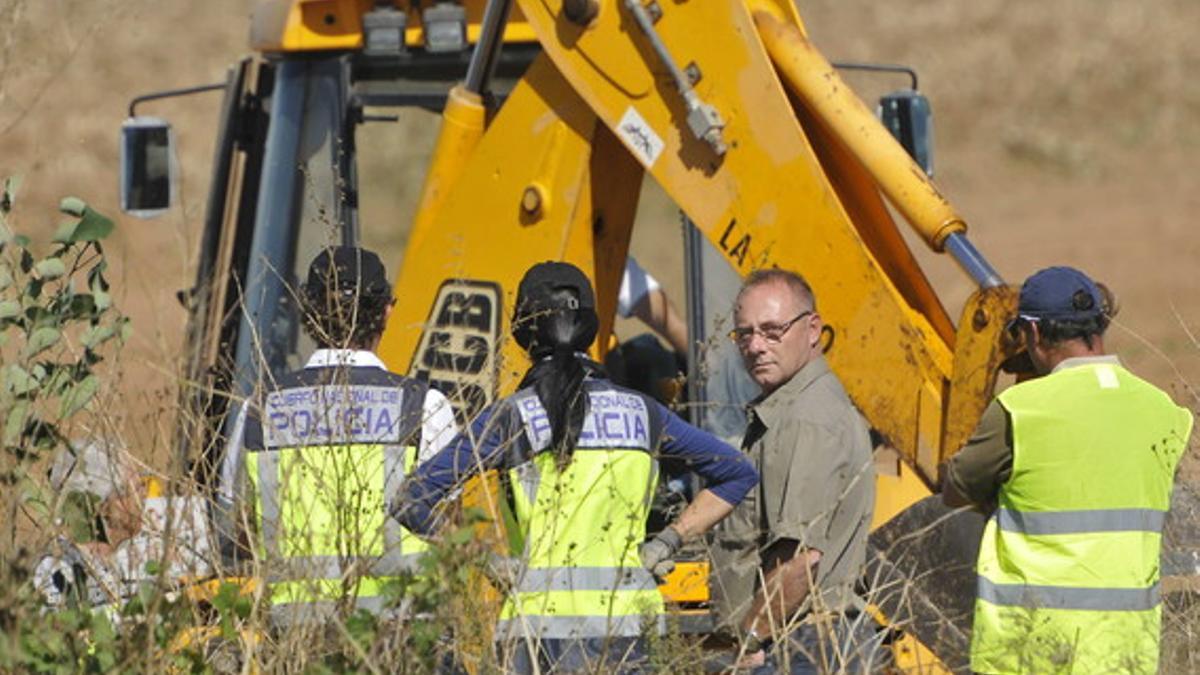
[1060, 293]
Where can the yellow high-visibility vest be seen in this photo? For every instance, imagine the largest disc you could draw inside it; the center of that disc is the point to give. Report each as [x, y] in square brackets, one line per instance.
[582, 527]
[330, 458]
[1069, 562]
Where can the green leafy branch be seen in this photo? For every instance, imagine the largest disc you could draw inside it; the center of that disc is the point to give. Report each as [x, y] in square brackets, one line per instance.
[56, 318]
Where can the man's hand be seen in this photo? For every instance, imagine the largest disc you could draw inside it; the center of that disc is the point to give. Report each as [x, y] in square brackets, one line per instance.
[658, 552]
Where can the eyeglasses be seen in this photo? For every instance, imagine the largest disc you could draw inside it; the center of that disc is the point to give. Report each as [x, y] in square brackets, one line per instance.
[771, 332]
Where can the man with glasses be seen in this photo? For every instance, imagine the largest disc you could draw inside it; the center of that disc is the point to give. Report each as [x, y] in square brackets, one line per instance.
[1076, 466]
[788, 558]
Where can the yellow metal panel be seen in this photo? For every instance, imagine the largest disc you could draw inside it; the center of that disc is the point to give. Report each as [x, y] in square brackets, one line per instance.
[320, 25]
[307, 25]
[895, 491]
[768, 200]
[978, 353]
[688, 582]
[544, 139]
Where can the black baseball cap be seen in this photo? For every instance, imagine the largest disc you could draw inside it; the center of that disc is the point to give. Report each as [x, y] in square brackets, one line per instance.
[1060, 293]
[550, 286]
[347, 270]
[541, 288]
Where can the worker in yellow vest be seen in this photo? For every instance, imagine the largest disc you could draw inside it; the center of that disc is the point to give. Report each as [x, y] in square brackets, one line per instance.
[313, 459]
[1076, 466]
[581, 458]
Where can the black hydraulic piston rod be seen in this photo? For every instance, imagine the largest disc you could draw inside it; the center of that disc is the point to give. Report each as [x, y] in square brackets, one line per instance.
[487, 48]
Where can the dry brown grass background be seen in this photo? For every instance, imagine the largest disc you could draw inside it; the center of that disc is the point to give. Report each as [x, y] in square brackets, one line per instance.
[1067, 133]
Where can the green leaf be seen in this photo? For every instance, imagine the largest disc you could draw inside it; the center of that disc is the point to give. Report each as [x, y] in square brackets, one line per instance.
[33, 496]
[73, 206]
[82, 306]
[51, 268]
[9, 309]
[9, 195]
[14, 424]
[64, 232]
[40, 340]
[6, 277]
[92, 225]
[78, 396]
[60, 379]
[96, 335]
[96, 278]
[102, 300]
[17, 380]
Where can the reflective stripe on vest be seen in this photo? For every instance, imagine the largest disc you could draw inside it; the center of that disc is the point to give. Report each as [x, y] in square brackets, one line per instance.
[1075, 522]
[1065, 597]
[1069, 563]
[559, 627]
[337, 567]
[585, 579]
[583, 526]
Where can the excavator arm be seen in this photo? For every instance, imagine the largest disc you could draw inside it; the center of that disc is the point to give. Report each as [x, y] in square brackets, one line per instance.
[759, 142]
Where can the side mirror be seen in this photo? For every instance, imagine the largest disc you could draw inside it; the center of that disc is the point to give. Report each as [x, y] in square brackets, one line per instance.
[907, 115]
[148, 166]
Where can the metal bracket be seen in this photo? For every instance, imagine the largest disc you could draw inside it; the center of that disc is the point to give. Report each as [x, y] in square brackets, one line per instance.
[703, 119]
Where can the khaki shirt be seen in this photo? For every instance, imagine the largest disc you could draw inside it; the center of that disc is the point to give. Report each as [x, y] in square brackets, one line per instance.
[813, 451]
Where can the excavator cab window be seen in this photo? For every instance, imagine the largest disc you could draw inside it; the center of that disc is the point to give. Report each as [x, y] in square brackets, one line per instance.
[907, 115]
[148, 166]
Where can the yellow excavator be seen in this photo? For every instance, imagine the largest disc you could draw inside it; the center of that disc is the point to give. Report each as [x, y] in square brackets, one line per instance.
[553, 112]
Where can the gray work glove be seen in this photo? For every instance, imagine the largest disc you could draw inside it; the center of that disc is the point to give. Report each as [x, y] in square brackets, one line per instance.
[658, 552]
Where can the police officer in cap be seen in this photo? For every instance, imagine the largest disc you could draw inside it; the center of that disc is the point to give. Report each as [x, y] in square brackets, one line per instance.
[312, 462]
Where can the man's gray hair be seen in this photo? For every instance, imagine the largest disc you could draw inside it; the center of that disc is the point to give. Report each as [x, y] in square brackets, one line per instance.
[793, 280]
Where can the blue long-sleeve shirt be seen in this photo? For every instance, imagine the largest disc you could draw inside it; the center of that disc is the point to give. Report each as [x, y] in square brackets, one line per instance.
[503, 437]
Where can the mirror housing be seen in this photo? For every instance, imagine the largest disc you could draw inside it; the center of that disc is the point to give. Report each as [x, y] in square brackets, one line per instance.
[908, 117]
[148, 166]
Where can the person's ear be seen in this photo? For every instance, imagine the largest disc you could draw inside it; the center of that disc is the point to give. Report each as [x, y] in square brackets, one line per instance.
[814, 330]
[1033, 335]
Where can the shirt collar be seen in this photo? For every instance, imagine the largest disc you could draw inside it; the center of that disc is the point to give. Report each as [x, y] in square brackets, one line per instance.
[325, 358]
[772, 408]
[1076, 361]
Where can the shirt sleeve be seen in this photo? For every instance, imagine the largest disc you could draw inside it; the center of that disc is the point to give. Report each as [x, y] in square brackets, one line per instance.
[636, 283]
[232, 461]
[231, 491]
[726, 472]
[985, 462]
[481, 448]
[438, 426]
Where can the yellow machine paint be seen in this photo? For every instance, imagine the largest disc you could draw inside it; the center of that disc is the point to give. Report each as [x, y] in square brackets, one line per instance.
[803, 180]
[278, 26]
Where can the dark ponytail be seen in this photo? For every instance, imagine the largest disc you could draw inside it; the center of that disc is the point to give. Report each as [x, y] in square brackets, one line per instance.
[558, 374]
[555, 320]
